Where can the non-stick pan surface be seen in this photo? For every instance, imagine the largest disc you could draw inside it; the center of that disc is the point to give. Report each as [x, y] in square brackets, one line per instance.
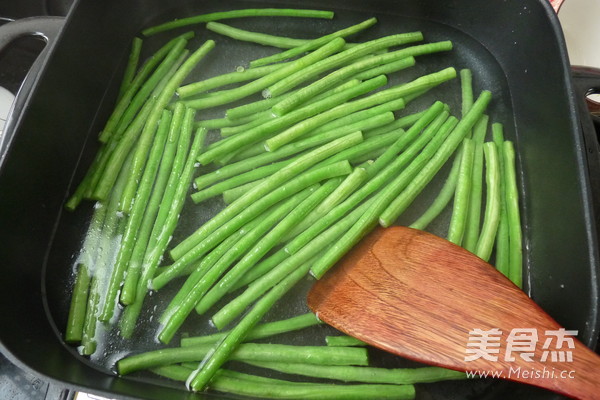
[514, 49]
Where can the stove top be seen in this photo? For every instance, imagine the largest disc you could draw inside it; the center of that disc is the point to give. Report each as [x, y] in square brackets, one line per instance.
[17, 384]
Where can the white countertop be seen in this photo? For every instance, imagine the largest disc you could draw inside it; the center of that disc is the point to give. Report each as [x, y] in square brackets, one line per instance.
[580, 20]
[6, 99]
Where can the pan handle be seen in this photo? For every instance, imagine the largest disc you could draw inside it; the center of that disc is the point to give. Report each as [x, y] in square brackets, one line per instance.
[47, 28]
[586, 80]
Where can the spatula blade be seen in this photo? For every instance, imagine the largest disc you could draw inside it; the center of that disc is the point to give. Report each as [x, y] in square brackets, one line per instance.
[419, 296]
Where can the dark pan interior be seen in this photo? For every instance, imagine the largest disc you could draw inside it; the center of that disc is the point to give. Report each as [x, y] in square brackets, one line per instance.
[514, 50]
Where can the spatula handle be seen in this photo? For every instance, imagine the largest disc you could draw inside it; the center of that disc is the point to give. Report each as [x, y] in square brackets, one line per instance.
[579, 378]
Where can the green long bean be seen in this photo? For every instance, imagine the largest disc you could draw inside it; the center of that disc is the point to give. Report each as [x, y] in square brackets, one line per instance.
[179, 312]
[514, 218]
[390, 153]
[399, 123]
[473, 226]
[255, 106]
[149, 116]
[104, 177]
[491, 216]
[354, 70]
[230, 95]
[138, 162]
[243, 165]
[297, 263]
[480, 129]
[260, 269]
[161, 102]
[297, 117]
[447, 191]
[388, 68]
[379, 179]
[474, 219]
[300, 96]
[379, 118]
[466, 88]
[231, 195]
[242, 75]
[249, 211]
[441, 200]
[108, 243]
[234, 130]
[218, 123]
[255, 37]
[265, 244]
[347, 187]
[152, 88]
[284, 55]
[181, 372]
[171, 205]
[97, 289]
[258, 148]
[84, 185]
[350, 90]
[360, 117]
[250, 12]
[77, 308]
[238, 180]
[349, 373]
[173, 47]
[501, 261]
[130, 236]
[412, 180]
[342, 58]
[201, 268]
[132, 64]
[302, 163]
[383, 199]
[432, 119]
[311, 391]
[257, 386]
[266, 104]
[183, 140]
[142, 237]
[366, 120]
[343, 340]
[365, 222]
[260, 331]
[272, 261]
[378, 98]
[83, 275]
[246, 351]
[174, 201]
[460, 209]
[425, 175]
[367, 147]
[231, 344]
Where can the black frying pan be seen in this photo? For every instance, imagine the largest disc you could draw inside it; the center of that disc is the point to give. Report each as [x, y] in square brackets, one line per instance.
[515, 49]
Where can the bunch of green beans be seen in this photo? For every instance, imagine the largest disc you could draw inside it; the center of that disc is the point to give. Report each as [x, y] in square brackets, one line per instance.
[305, 173]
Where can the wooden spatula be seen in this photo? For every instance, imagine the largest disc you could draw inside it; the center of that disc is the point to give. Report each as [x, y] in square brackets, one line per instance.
[421, 297]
